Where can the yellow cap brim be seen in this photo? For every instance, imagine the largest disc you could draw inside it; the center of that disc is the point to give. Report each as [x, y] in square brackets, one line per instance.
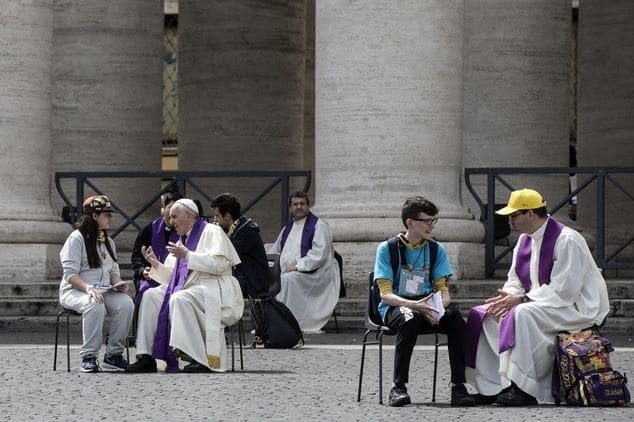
[506, 211]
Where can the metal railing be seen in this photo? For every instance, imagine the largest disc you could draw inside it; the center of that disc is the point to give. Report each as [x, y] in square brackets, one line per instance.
[179, 181]
[586, 175]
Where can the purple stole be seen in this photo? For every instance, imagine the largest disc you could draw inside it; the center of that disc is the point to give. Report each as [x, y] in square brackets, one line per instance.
[522, 269]
[158, 246]
[162, 349]
[307, 233]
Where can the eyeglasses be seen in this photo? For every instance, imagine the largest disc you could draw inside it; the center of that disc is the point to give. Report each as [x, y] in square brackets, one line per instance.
[518, 213]
[428, 221]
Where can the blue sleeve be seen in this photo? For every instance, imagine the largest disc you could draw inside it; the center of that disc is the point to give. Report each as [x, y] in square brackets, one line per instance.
[442, 268]
[382, 263]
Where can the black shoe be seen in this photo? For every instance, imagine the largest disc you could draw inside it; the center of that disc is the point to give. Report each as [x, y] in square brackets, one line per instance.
[399, 396]
[144, 364]
[196, 367]
[515, 397]
[461, 397]
[482, 400]
[89, 364]
[116, 362]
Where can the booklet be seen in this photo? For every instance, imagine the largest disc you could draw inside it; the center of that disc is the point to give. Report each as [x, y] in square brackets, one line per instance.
[104, 289]
[436, 302]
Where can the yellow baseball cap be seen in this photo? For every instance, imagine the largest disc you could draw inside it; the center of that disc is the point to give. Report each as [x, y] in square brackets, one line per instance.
[523, 199]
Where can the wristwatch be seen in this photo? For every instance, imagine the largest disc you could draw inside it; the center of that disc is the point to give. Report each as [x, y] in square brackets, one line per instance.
[89, 288]
[525, 299]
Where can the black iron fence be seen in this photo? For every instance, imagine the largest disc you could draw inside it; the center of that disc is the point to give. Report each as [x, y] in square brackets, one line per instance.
[597, 178]
[179, 181]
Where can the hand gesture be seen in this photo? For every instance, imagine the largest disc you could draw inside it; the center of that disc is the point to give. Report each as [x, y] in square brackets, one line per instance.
[501, 304]
[177, 249]
[149, 256]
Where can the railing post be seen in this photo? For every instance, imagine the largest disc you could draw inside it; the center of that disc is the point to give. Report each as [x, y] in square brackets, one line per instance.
[489, 263]
[600, 255]
[284, 200]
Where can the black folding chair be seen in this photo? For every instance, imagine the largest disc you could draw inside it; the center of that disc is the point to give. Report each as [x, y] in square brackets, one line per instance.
[374, 325]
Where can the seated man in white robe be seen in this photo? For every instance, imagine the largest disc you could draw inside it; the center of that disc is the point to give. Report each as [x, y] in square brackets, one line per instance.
[553, 285]
[198, 297]
[310, 274]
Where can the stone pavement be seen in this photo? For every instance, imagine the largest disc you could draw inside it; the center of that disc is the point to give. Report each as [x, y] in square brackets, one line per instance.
[316, 382]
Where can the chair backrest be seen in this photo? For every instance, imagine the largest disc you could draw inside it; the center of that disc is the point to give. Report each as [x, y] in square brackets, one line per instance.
[373, 318]
[275, 271]
[501, 226]
[342, 286]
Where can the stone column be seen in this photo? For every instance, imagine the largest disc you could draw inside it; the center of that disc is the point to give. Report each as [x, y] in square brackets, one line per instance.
[606, 110]
[242, 93]
[389, 99]
[107, 93]
[516, 85]
[30, 233]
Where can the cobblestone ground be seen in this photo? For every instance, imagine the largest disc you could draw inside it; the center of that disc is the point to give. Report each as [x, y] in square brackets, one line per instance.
[317, 382]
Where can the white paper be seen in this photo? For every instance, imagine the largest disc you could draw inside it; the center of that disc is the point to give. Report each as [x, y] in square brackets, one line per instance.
[104, 289]
[435, 301]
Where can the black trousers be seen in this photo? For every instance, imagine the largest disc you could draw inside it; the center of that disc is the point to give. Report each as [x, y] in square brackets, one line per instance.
[409, 323]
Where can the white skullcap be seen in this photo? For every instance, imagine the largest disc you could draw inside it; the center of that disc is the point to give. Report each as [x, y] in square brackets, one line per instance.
[188, 203]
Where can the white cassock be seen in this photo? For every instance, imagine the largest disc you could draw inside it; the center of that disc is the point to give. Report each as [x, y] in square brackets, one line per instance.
[576, 298]
[210, 300]
[311, 296]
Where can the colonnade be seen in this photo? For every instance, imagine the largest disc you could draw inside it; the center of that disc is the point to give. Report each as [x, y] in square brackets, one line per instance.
[382, 99]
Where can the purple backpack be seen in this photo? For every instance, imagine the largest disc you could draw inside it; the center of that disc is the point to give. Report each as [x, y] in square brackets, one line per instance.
[583, 375]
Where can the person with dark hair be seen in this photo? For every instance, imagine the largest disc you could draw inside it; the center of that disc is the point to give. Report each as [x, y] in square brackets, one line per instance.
[253, 272]
[90, 270]
[553, 285]
[156, 234]
[185, 317]
[406, 298]
[310, 279]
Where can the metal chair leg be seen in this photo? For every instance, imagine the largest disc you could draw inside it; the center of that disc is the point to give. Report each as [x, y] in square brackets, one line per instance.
[380, 338]
[433, 391]
[365, 342]
[67, 341]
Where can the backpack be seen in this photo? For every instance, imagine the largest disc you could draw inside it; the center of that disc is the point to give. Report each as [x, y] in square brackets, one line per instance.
[583, 375]
[397, 253]
[275, 325]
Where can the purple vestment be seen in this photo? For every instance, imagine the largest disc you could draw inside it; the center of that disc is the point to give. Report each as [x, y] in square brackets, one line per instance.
[522, 269]
[307, 233]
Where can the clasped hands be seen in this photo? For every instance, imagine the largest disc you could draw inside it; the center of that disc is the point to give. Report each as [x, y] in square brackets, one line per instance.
[501, 304]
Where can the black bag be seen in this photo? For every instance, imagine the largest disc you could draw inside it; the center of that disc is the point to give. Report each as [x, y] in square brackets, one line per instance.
[275, 325]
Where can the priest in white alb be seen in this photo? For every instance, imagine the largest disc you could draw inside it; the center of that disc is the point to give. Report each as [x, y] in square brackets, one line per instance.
[186, 315]
[310, 274]
[553, 285]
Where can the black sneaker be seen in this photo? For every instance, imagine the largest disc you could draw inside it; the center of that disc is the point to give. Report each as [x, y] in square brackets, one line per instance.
[399, 396]
[144, 364]
[115, 362]
[195, 367]
[89, 364]
[461, 397]
[515, 397]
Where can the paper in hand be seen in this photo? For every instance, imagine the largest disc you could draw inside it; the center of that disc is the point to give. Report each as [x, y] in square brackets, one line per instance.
[112, 288]
[436, 302]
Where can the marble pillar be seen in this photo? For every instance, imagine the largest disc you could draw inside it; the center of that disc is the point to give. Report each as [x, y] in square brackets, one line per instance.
[388, 112]
[241, 82]
[107, 95]
[606, 111]
[30, 232]
[516, 92]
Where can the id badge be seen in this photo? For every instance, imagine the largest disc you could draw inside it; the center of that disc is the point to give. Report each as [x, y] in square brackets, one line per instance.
[412, 282]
